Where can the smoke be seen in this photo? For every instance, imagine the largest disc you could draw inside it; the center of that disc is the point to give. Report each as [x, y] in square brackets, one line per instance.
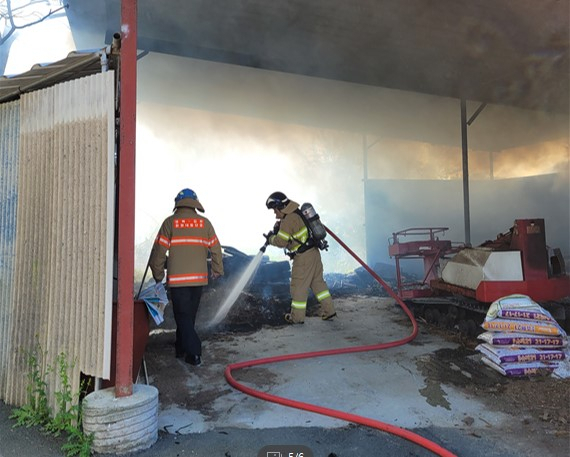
[537, 159]
[233, 163]
[234, 135]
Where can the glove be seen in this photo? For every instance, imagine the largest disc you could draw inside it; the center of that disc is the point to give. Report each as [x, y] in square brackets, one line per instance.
[268, 235]
[215, 275]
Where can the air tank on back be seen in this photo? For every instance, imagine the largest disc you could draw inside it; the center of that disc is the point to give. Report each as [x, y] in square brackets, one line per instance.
[315, 226]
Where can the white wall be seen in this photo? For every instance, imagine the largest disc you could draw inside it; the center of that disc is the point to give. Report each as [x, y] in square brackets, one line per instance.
[236, 134]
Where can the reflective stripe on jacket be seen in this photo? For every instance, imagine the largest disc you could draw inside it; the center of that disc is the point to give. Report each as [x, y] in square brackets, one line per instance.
[187, 237]
[292, 229]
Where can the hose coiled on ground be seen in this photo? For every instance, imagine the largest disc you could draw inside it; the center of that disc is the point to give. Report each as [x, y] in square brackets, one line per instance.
[392, 429]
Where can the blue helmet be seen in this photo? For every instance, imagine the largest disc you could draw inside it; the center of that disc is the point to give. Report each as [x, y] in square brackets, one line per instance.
[185, 193]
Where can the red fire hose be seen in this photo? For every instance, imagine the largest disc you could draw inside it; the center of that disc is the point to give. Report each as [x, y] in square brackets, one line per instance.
[398, 431]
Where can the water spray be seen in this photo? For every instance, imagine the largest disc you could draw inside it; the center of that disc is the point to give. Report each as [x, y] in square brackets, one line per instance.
[241, 284]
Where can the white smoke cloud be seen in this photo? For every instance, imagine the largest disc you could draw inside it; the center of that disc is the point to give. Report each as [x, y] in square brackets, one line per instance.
[235, 134]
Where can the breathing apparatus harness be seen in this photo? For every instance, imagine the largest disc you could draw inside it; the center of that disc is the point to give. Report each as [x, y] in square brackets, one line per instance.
[317, 232]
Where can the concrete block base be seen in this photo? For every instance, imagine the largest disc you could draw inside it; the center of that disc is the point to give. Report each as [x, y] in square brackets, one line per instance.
[121, 425]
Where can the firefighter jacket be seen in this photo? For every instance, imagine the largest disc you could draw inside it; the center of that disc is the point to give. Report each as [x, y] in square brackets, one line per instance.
[293, 233]
[187, 237]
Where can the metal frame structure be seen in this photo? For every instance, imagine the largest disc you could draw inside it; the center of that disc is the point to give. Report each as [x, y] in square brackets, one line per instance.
[126, 197]
[430, 250]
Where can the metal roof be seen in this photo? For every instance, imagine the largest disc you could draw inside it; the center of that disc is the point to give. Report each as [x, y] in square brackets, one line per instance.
[75, 65]
[506, 52]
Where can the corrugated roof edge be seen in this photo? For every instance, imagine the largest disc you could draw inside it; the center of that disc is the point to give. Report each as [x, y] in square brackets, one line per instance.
[77, 64]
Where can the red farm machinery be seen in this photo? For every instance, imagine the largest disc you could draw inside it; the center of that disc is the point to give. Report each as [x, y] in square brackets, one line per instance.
[460, 282]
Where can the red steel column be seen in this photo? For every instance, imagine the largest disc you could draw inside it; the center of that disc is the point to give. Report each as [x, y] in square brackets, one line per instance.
[126, 199]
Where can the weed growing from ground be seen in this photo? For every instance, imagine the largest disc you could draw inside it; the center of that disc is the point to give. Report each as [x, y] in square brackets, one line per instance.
[36, 410]
[68, 413]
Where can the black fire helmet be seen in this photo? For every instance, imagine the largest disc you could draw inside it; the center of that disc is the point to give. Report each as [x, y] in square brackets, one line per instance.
[277, 200]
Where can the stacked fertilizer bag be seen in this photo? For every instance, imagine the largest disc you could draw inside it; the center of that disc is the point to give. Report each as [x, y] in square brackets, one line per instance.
[522, 338]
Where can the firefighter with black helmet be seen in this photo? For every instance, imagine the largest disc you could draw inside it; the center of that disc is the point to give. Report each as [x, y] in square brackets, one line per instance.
[292, 233]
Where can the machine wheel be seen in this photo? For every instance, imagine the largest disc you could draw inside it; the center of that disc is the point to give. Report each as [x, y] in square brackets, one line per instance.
[414, 309]
[436, 316]
[471, 328]
[429, 315]
[449, 321]
[461, 314]
[463, 327]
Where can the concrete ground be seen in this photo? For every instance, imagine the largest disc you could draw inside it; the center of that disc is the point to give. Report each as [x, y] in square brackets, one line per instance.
[420, 386]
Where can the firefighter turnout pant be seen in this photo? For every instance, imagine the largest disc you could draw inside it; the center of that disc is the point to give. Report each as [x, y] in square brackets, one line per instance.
[307, 273]
[185, 303]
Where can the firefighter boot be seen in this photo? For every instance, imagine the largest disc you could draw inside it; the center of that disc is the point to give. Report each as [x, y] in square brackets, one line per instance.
[296, 316]
[327, 309]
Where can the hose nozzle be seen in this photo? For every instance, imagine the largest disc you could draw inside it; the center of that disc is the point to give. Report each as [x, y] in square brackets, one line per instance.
[266, 235]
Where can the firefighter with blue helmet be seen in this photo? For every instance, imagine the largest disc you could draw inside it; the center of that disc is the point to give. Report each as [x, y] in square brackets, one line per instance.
[187, 238]
[186, 193]
[292, 234]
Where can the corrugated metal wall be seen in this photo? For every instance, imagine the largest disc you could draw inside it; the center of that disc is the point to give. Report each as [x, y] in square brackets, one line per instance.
[9, 140]
[62, 297]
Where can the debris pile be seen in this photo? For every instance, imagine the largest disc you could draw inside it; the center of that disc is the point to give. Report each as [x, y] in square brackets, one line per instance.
[521, 338]
[361, 282]
[267, 297]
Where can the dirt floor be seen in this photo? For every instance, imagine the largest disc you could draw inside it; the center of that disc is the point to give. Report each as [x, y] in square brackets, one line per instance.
[539, 405]
[435, 386]
[541, 402]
